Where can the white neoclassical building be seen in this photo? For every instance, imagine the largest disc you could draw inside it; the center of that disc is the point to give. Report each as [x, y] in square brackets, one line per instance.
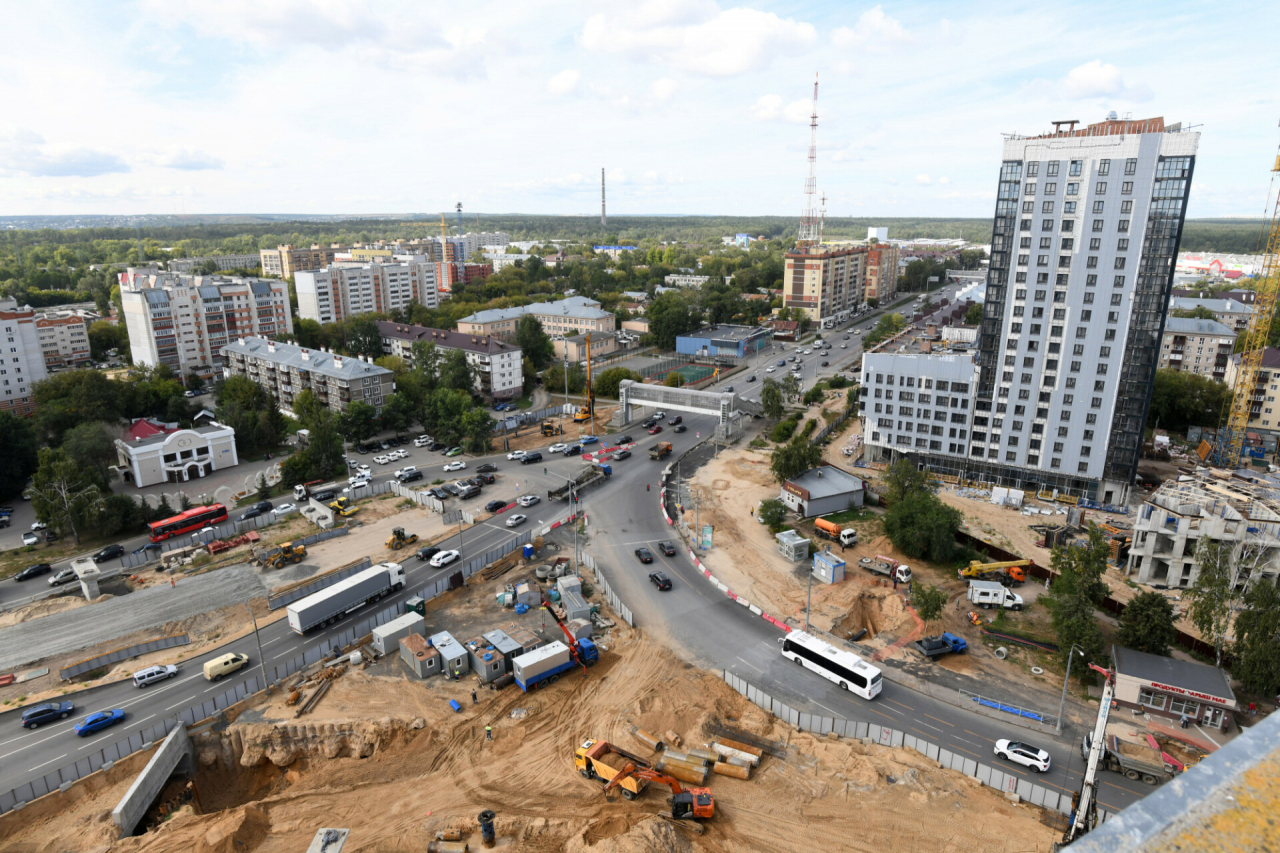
[176, 456]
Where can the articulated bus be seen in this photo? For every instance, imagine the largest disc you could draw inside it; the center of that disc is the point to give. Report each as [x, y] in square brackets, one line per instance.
[193, 519]
[844, 668]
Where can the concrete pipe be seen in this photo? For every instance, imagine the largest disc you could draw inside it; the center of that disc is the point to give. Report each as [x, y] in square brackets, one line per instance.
[740, 747]
[685, 774]
[726, 769]
[706, 756]
[1001, 653]
[447, 847]
[727, 752]
[647, 739]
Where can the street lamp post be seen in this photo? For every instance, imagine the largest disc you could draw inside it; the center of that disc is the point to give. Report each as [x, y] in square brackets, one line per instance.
[1062, 706]
[262, 662]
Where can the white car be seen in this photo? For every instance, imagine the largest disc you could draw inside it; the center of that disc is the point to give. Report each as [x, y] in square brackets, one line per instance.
[770, 369]
[38, 525]
[456, 465]
[444, 558]
[358, 482]
[516, 520]
[382, 460]
[62, 576]
[808, 352]
[857, 331]
[1023, 753]
[844, 346]
[285, 509]
[529, 500]
[30, 538]
[558, 447]
[422, 441]
[406, 470]
[363, 470]
[398, 454]
[516, 454]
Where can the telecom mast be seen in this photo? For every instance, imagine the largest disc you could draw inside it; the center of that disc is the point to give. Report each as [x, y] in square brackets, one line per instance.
[602, 218]
[808, 238]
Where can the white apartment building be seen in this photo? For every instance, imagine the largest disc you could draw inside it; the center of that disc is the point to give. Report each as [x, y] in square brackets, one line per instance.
[185, 321]
[682, 280]
[499, 364]
[64, 338]
[21, 359]
[1197, 346]
[501, 261]
[1086, 232]
[224, 262]
[339, 291]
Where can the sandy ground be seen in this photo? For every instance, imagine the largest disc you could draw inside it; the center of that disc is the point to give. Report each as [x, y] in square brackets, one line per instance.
[531, 438]
[47, 607]
[384, 756]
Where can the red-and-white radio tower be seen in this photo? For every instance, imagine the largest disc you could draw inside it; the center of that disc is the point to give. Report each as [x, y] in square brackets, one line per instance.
[808, 237]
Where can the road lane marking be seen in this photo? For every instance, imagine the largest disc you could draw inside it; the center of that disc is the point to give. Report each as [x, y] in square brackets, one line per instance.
[759, 670]
[900, 705]
[35, 743]
[186, 702]
[825, 708]
[47, 763]
[935, 728]
[944, 722]
[276, 640]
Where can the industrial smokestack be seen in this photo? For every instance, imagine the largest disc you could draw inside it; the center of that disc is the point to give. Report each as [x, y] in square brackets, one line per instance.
[602, 216]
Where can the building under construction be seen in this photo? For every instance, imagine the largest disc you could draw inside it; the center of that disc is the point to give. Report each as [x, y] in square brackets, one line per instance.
[1233, 507]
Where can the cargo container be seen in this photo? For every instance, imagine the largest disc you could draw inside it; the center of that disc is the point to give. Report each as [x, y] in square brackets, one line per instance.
[544, 666]
[386, 638]
[332, 603]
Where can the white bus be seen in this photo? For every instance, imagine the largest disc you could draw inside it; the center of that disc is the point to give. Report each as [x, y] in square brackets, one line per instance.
[844, 668]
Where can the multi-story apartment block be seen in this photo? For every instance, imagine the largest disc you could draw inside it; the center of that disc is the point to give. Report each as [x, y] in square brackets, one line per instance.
[286, 261]
[832, 281]
[1197, 346]
[572, 316]
[1264, 413]
[451, 274]
[344, 290]
[185, 321]
[286, 370]
[21, 358]
[224, 262]
[499, 365]
[1230, 313]
[685, 280]
[64, 338]
[1086, 230]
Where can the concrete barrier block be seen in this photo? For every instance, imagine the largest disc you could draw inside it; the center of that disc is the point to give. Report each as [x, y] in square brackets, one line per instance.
[65, 786]
[107, 765]
[756, 610]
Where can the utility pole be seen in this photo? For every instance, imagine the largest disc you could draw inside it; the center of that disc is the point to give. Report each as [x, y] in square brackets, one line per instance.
[1062, 706]
[262, 661]
[808, 602]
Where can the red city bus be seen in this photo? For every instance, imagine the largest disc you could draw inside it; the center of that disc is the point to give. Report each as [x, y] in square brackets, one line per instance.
[193, 519]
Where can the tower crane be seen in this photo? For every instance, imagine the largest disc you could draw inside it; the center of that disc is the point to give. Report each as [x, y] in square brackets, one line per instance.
[1084, 805]
[1231, 436]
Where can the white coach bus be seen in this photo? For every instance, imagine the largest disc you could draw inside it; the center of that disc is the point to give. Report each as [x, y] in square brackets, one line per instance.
[844, 668]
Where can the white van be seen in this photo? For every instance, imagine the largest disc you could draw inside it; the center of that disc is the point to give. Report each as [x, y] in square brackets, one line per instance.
[224, 665]
[988, 594]
[152, 674]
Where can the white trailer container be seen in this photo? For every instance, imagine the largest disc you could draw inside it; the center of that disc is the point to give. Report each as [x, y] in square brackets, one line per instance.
[988, 594]
[334, 602]
[386, 638]
[552, 658]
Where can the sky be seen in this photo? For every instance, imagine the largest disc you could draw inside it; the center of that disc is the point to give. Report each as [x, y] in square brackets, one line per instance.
[691, 106]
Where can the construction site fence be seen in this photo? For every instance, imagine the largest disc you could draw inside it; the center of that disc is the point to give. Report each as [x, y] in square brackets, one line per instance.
[834, 426]
[512, 420]
[614, 602]
[993, 777]
[117, 655]
[283, 599]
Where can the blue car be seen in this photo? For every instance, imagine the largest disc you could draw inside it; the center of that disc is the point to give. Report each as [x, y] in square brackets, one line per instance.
[589, 439]
[99, 721]
[148, 548]
[782, 363]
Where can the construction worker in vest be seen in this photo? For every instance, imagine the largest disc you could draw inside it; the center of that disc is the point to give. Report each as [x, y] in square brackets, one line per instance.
[488, 732]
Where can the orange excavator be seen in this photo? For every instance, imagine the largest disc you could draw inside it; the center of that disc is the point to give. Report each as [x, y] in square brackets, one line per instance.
[687, 804]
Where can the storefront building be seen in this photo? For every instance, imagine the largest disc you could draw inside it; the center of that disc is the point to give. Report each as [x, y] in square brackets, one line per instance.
[1166, 687]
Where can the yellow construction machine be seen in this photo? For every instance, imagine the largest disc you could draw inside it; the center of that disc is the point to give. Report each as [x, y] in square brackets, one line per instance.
[288, 553]
[399, 539]
[587, 412]
[1009, 570]
[550, 429]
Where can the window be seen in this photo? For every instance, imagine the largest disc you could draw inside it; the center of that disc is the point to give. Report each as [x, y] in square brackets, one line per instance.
[1051, 168]
[1028, 207]
[1151, 699]
[1102, 369]
[1064, 261]
[1097, 207]
[1097, 226]
[1046, 242]
[1092, 262]
[1122, 245]
[1119, 281]
[1126, 207]
[1126, 188]
[1031, 188]
[1025, 243]
[1074, 170]
[1033, 168]
[1025, 225]
[1069, 225]
[1055, 463]
[1119, 263]
[1046, 225]
[1100, 188]
[1047, 207]
[1042, 260]
[1131, 166]
[1020, 277]
[1073, 189]
[1090, 280]
[1088, 298]
[1075, 365]
[1050, 188]
[1023, 260]
[1088, 435]
[1123, 226]
[1068, 243]
[1104, 167]
[1040, 295]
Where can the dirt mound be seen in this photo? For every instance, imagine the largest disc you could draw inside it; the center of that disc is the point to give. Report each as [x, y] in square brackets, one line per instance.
[875, 610]
[282, 745]
[620, 834]
[237, 831]
[48, 607]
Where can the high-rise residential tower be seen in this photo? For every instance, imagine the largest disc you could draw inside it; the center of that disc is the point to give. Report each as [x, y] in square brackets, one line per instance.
[1055, 393]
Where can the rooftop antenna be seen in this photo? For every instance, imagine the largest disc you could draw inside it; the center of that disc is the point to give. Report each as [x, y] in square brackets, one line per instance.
[459, 219]
[822, 218]
[808, 236]
[602, 216]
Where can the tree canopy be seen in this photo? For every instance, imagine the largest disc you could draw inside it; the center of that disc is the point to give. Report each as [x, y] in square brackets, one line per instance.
[1147, 624]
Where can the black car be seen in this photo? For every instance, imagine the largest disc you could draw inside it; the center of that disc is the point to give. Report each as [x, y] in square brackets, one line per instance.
[485, 477]
[438, 493]
[426, 553]
[253, 512]
[33, 571]
[362, 450]
[437, 446]
[729, 389]
[645, 555]
[825, 363]
[573, 450]
[660, 580]
[626, 439]
[535, 456]
[487, 468]
[326, 495]
[751, 379]
[46, 713]
[452, 489]
[111, 552]
[667, 548]
[678, 419]
[681, 428]
[494, 506]
[411, 476]
[475, 481]
[622, 454]
[148, 548]
[264, 506]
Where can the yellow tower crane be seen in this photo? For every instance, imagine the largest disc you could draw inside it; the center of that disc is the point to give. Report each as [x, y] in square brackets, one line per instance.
[1231, 436]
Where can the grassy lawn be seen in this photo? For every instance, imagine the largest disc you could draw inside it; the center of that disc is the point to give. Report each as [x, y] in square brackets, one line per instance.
[524, 402]
[857, 514]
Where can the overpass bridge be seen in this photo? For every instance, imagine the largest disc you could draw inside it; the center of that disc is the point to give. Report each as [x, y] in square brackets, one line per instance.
[727, 406]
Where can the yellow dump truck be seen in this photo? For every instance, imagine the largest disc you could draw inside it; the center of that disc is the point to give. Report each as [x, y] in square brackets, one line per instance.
[602, 760]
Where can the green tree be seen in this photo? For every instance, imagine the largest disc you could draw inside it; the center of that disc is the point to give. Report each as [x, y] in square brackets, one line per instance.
[363, 337]
[426, 363]
[308, 333]
[773, 513]
[1075, 593]
[21, 456]
[888, 326]
[359, 422]
[75, 397]
[477, 429]
[105, 336]
[1147, 624]
[771, 399]
[456, 373]
[973, 315]
[794, 458]
[533, 341]
[1257, 646]
[394, 363]
[608, 381]
[902, 479]
[669, 317]
[1226, 570]
[1180, 399]
[261, 487]
[92, 446]
[1200, 312]
[929, 602]
[63, 494]
[675, 379]
[397, 413]
[922, 526]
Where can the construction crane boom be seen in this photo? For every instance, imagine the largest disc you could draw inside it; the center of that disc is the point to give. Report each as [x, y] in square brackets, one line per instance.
[1084, 809]
[1231, 436]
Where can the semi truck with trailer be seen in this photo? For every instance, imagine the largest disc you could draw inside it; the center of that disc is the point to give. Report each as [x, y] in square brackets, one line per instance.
[332, 603]
[988, 594]
[589, 476]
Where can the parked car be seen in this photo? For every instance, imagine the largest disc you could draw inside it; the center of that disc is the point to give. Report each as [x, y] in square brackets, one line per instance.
[422, 441]
[516, 454]
[426, 552]
[437, 446]
[111, 552]
[438, 493]
[487, 468]
[30, 538]
[37, 716]
[494, 506]
[667, 548]
[382, 460]
[33, 571]
[444, 558]
[452, 489]
[383, 445]
[645, 555]
[398, 454]
[621, 454]
[661, 581]
[484, 477]
[152, 674]
[1023, 753]
[529, 500]
[453, 451]
[456, 465]
[62, 576]
[516, 520]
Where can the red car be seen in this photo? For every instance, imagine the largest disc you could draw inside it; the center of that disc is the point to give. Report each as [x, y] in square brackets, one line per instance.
[655, 429]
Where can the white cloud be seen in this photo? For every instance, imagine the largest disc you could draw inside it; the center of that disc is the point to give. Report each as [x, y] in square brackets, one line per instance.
[1097, 79]
[663, 89]
[700, 37]
[25, 152]
[191, 161]
[923, 179]
[875, 32]
[564, 82]
[766, 107]
[944, 180]
[798, 112]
